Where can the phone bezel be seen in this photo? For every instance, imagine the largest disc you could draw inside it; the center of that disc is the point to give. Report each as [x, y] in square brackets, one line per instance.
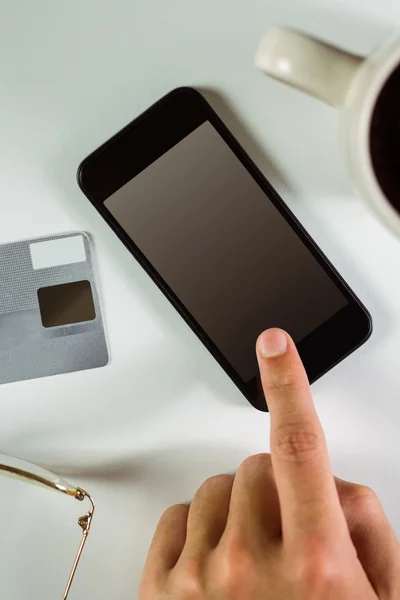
[147, 138]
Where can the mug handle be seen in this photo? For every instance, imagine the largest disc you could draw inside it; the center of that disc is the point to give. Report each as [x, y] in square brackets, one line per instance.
[308, 64]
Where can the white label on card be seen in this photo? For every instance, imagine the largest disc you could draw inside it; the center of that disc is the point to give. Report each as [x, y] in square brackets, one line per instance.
[54, 253]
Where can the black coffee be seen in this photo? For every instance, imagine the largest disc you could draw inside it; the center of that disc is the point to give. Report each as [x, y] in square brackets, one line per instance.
[385, 139]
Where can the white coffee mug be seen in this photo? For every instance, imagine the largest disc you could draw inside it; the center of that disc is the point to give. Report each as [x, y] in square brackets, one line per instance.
[362, 87]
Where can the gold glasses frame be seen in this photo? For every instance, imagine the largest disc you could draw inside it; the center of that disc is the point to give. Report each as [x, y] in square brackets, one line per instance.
[25, 471]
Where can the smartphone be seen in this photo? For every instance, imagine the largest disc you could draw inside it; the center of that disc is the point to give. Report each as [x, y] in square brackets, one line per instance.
[214, 235]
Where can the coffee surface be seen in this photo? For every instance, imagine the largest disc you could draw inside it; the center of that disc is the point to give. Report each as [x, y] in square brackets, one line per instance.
[385, 139]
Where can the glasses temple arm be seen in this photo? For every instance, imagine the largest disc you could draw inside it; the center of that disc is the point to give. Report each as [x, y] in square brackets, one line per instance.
[85, 523]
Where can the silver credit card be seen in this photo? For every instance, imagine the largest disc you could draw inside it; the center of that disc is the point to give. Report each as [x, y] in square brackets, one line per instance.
[50, 317]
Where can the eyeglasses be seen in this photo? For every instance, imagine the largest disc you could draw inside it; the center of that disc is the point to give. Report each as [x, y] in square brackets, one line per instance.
[19, 469]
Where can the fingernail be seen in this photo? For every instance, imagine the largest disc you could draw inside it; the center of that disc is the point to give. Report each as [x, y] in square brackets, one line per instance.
[273, 343]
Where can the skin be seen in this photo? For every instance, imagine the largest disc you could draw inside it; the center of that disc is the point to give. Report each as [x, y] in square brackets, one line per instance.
[282, 528]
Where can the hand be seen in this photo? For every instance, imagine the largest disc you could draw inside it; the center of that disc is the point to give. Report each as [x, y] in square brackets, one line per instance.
[283, 528]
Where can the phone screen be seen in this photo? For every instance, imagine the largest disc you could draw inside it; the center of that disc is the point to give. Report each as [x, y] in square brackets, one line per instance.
[223, 248]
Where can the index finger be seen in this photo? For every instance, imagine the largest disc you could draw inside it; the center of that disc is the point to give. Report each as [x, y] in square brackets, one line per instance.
[307, 492]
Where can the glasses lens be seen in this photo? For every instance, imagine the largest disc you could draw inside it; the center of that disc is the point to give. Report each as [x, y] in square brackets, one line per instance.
[15, 467]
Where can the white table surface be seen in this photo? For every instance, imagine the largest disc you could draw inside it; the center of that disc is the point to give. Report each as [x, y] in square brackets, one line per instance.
[145, 431]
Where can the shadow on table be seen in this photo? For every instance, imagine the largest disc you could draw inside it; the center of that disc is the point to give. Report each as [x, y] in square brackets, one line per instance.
[172, 475]
[168, 469]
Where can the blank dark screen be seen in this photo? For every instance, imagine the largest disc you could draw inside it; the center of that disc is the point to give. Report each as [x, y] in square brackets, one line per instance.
[223, 248]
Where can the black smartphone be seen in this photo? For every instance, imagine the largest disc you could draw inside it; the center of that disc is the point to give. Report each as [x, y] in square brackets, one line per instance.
[213, 234]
